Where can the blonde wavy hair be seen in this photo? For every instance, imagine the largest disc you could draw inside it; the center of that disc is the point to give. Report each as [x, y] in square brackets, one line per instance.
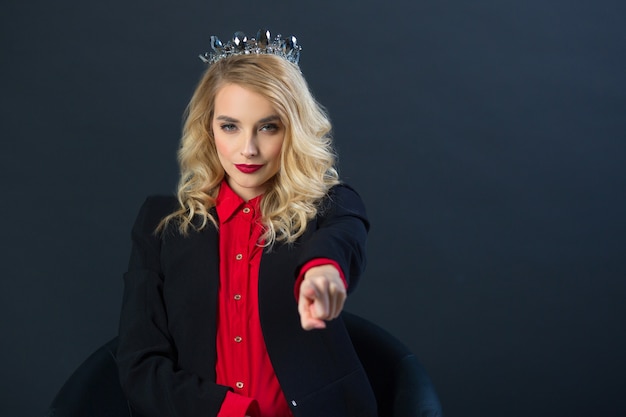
[308, 159]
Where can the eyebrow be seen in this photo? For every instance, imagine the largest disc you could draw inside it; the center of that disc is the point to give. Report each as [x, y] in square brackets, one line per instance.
[267, 119]
[227, 119]
[271, 118]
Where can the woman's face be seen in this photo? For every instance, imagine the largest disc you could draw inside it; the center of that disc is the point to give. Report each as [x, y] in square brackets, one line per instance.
[248, 136]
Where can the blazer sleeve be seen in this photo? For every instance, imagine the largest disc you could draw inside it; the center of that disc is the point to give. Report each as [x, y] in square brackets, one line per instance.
[151, 379]
[340, 234]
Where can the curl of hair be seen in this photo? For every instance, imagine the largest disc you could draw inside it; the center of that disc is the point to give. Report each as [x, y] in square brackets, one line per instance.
[307, 157]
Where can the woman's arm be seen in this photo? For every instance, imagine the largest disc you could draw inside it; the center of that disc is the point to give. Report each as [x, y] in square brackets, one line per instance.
[340, 237]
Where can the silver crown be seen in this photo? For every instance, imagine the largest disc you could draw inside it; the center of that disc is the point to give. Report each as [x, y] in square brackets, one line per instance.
[287, 48]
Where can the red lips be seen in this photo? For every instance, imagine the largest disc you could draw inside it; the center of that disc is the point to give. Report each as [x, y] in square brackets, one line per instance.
[248, 169]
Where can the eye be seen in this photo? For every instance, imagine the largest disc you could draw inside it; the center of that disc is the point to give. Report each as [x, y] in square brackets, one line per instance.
[228, 127]
[270, 127]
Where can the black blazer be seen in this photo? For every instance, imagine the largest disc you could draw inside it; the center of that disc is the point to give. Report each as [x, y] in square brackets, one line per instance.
[166, 352]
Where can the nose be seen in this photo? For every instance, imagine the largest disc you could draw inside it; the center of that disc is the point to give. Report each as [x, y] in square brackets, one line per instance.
[250, 148]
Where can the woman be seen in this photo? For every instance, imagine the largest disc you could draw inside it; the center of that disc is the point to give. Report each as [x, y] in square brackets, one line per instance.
[234, 289]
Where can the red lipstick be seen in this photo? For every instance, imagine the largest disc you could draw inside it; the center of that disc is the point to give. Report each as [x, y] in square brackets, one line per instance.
[248, 169]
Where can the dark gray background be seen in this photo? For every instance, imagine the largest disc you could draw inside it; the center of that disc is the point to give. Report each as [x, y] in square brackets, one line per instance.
[486, 137]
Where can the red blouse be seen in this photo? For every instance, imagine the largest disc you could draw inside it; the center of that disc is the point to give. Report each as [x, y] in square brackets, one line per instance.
[242, 360]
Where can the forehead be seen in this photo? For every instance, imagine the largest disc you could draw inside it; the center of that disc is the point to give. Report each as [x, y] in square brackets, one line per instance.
[237, 101]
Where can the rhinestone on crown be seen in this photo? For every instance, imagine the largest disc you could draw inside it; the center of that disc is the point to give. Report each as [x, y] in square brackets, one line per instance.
[287, 48]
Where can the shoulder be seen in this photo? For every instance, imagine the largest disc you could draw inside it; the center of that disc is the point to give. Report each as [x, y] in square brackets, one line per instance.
[153, 210]
[345, 191]
[343, 197]
[160, 204]
[342, 189]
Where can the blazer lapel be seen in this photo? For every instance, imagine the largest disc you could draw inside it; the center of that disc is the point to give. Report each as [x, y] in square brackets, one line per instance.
[191, 270]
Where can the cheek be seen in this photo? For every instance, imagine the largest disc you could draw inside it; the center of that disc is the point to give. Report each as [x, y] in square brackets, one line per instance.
[276, 150]
[275, 157]
[221, 146]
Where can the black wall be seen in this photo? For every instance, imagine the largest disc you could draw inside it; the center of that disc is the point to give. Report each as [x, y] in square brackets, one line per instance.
[487, 139]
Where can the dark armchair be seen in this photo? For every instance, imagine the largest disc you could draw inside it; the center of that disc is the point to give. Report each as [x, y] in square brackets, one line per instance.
[401, 385]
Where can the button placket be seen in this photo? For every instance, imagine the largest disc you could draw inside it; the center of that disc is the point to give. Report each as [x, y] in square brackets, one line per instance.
[244, 251]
